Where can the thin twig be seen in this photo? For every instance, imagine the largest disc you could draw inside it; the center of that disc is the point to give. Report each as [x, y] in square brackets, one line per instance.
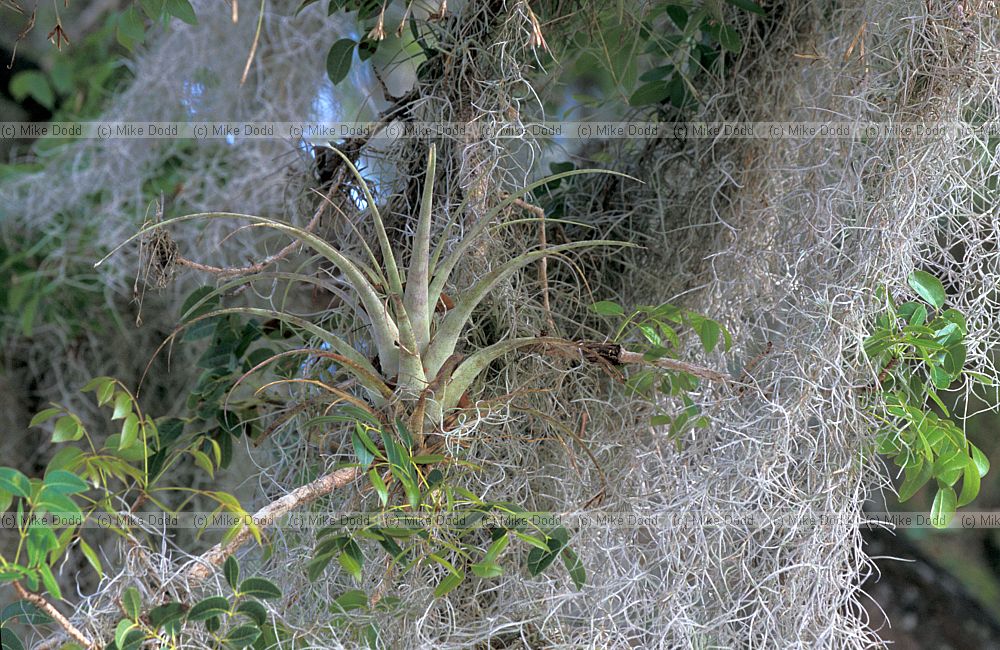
[256, 41]
[543, 263]
[56, 615]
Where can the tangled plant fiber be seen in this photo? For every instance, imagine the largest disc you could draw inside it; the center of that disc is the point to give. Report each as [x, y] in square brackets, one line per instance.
[784, 240]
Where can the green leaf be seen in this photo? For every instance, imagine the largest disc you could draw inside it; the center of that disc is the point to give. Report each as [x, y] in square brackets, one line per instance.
[729, 38]
[133, 639]
[428, 459]
[25, 612]
[338, 59]
[379, 485]
[950, 465]
[62, 482]
[349, 600]
[487, 569]
[317, 565]
[708, 332]
[121, 631]
[207, 608]
[132, 603]
[577, 572]
[539, 544]
[956, 317]
[14, 482]
[167, 616]
[354, 413]
[181, 9]
[49, 580]
[660, 420]
[130, 431]
[980, 459]
[96, 384]
[67, 429]
[44, 416]
[131, 30]
[948, 335]
[943, 508]
[970, 483]
[306, 3]
[449, 583]
[653, 92]
[650, 333]
[412, 493]
[954, 359]
[58, 503]
[152, 8]
[66, 458]
[202, 460]
[123, 406]
[365, 456]
[243, 636]
[940, 378]
[927, 287]
[366, 440]
[34, 84]
[260, 588]
[496, 548]
[404, 436]
[914, 313]
[351, 565]
[105, 393]
[539, 560]
[92, 558]
[748, 5]
[9, 640]
[231, 569]
[254, 611]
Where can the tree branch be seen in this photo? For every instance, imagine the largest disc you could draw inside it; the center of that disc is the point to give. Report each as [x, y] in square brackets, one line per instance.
[50, 609]
[613, 355]
[269, 514]
[627, 357]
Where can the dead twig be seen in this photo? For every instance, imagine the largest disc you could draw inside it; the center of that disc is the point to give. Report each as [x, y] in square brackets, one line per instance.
[613, 355]
[543, 264]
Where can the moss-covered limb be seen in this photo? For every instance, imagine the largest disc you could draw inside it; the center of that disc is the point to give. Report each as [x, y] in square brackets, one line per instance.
[300, 496]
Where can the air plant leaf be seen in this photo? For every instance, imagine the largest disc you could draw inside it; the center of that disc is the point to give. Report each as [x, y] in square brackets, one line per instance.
[384, 329]
[418, 275]
[365, 373]
[388, 255]
[446, 338]
[469, 369]
[442, 272]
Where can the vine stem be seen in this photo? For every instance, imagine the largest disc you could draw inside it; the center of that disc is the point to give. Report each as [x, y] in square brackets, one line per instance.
[269, 514]
[56, 615]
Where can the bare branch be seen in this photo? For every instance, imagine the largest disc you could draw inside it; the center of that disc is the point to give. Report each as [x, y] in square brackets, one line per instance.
[56, 615]
[270, 513]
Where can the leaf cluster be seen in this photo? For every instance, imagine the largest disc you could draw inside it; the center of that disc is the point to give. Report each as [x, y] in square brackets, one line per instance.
[918, 348]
